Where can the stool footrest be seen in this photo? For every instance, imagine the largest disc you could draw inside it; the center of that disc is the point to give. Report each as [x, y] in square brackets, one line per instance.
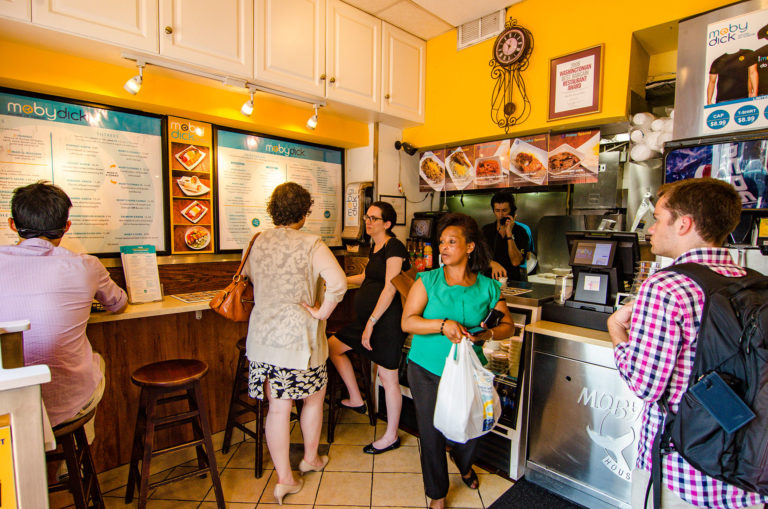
[195, 473]
[179, 447]
[245, 430]
[161, 422]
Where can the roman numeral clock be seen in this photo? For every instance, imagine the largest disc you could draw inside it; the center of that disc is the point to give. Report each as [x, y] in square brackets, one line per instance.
[511, 51]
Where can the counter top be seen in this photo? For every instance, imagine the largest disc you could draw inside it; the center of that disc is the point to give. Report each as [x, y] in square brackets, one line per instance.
[23, 377]
[571, 332]
[539, 294]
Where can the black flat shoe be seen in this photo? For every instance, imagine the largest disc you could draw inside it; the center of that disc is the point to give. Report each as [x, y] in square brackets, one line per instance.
[469, 481]
[359, 409]
[370, 449]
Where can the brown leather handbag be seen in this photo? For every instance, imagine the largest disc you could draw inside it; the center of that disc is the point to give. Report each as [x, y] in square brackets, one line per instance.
[235, 302]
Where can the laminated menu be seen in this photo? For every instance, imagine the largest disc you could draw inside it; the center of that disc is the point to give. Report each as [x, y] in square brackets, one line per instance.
[141, 275]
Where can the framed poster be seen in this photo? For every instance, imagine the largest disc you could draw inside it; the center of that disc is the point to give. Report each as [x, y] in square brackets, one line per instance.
[109, 162]
[398, 203]
[575, 83]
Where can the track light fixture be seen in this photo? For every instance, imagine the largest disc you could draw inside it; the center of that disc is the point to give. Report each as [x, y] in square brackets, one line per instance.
[247, 108]
[407, 147]
[133, 85]
[312, 122]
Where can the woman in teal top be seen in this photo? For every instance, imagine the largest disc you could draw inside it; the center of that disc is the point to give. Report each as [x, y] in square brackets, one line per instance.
[441, 306]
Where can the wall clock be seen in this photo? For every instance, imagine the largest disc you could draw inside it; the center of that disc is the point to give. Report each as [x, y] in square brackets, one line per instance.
[511, 51]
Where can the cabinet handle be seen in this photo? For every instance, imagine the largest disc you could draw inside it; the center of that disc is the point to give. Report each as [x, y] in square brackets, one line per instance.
[387, 97]
[332, 80]
[322, 77]
[168, 30]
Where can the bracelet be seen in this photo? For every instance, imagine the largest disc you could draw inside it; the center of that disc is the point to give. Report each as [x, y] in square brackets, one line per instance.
[492, 336]
[512, 238]
[442, 324]
[373, 319]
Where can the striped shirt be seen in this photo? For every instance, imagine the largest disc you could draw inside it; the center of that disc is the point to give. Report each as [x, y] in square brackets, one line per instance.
[658, 358]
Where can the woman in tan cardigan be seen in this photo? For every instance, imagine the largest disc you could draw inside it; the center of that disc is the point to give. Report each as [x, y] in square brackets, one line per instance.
[286, 343]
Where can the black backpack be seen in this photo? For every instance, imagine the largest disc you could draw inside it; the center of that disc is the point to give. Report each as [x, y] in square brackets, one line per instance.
[732, 341]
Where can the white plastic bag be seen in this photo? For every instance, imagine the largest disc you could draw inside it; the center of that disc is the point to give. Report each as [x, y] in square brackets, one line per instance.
[467, 404]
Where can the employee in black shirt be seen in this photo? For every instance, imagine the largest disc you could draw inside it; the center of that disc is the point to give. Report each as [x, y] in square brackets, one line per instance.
[734, 75]
[509, 242]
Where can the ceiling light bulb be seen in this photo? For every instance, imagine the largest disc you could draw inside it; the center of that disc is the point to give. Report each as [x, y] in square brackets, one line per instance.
[312, 122]
[247, 108]
[133, 85]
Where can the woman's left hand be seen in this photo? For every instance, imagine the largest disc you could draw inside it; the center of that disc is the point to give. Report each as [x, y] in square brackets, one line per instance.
[481, 336]
[366, 339]
[313, 310]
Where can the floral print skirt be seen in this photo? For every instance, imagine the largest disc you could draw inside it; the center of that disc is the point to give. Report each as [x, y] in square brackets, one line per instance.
[285, 383]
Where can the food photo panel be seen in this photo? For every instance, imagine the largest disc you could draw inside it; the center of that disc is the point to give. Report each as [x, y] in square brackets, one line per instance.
[432, 171]
[573, 157]
[189, 212]
[190, 157]
[196, 238]
[492, 164]
[459, 164]
[528, 161]
[184, 185]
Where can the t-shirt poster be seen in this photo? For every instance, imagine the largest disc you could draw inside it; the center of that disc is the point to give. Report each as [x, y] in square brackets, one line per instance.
[190, 167]
[574, 157]
[249, 169]
[528, 161]
[108, 162]
[492, 164]
[736, 95]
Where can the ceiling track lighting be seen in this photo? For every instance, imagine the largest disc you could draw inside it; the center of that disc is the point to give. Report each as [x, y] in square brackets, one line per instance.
[133, 85]
[246, 109]
[407, 147]
[312, 122]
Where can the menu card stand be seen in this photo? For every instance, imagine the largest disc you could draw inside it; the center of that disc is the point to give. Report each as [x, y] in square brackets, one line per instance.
[141, 275]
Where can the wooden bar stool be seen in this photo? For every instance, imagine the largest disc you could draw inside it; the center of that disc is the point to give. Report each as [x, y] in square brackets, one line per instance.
[161, 383]
[362, 368]
[76, 453]
[240, 403]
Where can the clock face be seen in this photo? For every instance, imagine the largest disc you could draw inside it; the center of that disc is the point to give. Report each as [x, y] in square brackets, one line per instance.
[511, 46]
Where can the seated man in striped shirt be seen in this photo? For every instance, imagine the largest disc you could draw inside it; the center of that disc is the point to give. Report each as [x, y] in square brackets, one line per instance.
[655, 337]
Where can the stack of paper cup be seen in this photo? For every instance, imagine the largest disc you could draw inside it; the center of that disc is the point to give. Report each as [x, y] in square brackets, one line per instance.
[514, 353]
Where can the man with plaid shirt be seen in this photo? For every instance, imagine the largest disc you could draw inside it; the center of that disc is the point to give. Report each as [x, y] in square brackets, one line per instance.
[655, 336]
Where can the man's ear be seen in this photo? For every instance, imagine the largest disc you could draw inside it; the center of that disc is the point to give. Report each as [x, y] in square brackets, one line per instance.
[66, 228]
[12, 224]
[686, 225]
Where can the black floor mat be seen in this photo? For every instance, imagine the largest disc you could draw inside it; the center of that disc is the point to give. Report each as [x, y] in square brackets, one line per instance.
[526, 495]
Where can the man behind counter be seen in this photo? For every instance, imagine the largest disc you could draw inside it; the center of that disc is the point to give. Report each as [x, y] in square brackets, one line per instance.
[508, 241]
[53, 288]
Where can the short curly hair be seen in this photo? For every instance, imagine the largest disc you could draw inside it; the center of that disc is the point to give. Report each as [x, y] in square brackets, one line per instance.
[289, 204]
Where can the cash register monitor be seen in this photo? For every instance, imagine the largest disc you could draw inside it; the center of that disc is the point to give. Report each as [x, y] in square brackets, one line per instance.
[593, 253]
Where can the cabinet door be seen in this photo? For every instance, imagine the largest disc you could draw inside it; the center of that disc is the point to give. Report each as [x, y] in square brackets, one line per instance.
[353, 55]
[16, 9]
[215, 35]
[127, 23]
[403, 58]
[290, 44]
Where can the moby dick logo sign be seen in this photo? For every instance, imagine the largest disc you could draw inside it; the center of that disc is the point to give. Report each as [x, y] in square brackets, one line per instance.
[615, 431]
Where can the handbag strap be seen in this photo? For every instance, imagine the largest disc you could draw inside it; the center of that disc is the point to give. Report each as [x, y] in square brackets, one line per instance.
[247, 252]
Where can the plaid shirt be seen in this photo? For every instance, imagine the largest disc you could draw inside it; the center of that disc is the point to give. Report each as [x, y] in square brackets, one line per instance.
[658, 358]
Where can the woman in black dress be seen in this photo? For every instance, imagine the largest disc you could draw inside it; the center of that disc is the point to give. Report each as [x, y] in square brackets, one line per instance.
[376, 332]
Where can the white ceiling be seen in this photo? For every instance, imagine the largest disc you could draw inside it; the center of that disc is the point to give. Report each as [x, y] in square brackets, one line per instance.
[429, 18]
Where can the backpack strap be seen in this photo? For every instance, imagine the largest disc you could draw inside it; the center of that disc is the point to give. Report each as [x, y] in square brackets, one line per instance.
[708, 279]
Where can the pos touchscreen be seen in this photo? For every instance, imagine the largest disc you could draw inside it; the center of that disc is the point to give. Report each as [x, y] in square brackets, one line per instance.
[593, 253]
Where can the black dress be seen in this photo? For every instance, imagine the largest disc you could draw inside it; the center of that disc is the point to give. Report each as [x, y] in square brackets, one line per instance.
[387, 338]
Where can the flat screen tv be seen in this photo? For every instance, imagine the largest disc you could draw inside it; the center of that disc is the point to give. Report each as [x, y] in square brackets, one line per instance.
[741, 162]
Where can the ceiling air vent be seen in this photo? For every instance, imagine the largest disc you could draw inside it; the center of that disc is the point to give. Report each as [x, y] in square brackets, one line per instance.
[480, 29]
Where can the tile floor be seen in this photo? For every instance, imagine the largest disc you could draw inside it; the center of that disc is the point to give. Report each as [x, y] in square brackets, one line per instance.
[351, 480]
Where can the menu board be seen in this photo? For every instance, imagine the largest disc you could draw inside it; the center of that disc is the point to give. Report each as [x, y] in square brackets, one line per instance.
[574, 157]
[251, 166]
[190, 166]
[108, 162]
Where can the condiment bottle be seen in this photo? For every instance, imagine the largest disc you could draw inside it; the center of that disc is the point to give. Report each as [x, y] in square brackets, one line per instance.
[428, 256]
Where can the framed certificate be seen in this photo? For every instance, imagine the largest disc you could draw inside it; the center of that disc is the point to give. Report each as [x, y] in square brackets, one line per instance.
[575, 83]
[398, 203]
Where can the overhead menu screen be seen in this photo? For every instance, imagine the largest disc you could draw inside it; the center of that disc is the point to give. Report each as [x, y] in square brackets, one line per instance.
[108, 162]
[249, 169]
[588, 253]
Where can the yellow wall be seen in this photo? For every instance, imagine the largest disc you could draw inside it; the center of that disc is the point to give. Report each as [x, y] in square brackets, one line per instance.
[661, 65]
[459, 85]
[38, 70]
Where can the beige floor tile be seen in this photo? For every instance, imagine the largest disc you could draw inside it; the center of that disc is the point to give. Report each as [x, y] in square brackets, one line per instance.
[398, 490]
[405, 437]
[452, 468]
[345, 507]
[120, 490]
[305, 497]
[111, 479]
[348, 458]
[230, 505]
[193, 488]
[119, 503]
[387, 507]
[244, 457]
[461, 496]
[221, 458]
[492, 487]
[404, 459]
[354, 434]
[345, 488]
[351, 417]
[284, 506]
[239, 485]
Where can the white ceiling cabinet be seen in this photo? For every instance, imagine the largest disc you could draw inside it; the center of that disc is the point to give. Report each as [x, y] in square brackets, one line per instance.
[290, 44]
[353, 56]
[216, 35]
[403, 58]
[16, 9]
[128, 23]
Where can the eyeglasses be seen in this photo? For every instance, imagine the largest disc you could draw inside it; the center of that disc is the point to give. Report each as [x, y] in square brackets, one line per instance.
[371, 218]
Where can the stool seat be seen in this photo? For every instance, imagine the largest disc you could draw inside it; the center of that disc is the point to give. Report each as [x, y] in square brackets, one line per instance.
[171, 373]
[68, 427]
